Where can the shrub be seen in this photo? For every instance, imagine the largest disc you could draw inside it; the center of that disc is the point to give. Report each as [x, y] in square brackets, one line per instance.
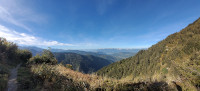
[164, 70]
[68, 66]
[46, 58]
[24, 55]
[50, 78]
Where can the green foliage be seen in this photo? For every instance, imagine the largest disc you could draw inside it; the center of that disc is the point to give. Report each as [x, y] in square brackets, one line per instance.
[192, 46]
[4, 73]
[8, 52]
[164, 70]
[24, 55]
[3, 81]
[58, 78]
[25, 79]
[47, 58]
[48, 77]
[82, 63]
[68, 66]
[179, 52]
[10, 56]
[141, 86]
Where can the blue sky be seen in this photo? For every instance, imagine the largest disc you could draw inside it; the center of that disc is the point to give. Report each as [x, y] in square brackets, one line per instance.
[90, 24]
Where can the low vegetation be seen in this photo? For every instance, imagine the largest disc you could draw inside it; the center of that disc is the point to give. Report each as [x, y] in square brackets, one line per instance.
[46, 58]
[45, 75]
[82, 63]
[4, 73]
[10, 56]
[173, 60]
[58, 77]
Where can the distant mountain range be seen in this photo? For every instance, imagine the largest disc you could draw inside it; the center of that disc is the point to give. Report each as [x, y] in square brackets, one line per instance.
[113, 54]
[123, 55]
[116, 50]
[33, 49]
[86, 61]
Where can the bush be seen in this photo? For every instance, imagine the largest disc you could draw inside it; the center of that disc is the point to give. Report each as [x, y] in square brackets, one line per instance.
[46, 58]
[49, 77]
[8, 52]
[164, 70]
[4, 71]
[68, 66]
[24, 55]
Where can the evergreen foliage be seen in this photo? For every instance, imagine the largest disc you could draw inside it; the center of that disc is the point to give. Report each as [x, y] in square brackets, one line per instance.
[46, 57]
[176, 58]
[82, 63]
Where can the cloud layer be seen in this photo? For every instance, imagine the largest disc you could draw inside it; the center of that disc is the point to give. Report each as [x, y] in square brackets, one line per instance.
[6, 16]
[17, 13]
[25, 39]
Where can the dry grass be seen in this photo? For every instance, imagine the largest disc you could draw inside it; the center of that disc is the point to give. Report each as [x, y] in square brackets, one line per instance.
[93, 81]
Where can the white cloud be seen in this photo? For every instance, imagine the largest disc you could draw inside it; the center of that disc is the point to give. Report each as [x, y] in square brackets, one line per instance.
[25, 39]
[18, 13]
[6, 16]
[52, 43]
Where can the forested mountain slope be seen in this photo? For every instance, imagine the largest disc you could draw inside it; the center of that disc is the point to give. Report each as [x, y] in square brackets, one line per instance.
[83, 63]
[175, 59]
[97, 54]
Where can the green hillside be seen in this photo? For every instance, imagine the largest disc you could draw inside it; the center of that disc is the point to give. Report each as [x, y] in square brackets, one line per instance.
[82, 63]
[175, 59]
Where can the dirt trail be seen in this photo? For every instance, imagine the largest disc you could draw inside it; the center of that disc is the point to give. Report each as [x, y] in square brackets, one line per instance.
[12, 81]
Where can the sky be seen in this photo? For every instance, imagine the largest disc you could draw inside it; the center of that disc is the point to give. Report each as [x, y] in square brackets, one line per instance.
[93, 24]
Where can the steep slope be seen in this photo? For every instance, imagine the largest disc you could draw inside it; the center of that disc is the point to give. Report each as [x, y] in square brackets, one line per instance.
[83, 63]
[175, 59]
